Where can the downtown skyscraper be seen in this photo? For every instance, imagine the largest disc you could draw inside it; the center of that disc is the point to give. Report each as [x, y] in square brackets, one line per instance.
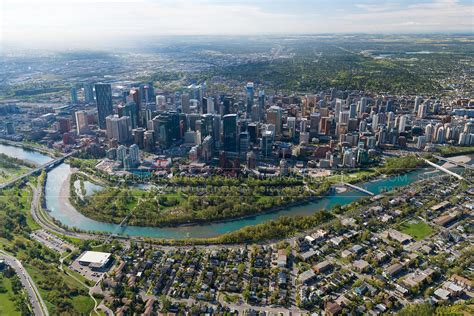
[103, 95]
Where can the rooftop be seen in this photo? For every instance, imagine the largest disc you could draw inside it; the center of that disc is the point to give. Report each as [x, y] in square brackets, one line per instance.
[95, 257]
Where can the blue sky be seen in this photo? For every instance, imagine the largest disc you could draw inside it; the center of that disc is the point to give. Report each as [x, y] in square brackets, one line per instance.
[72, 23]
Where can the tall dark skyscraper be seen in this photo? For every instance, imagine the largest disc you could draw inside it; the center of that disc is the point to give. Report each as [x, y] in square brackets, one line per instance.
[129, 110]
[230, 132]
[210, 126]
[135, 96]
[228, 103]
[261, 104]
[73, 96]
[103, 96]
[88, 92]
[167, 128]
[250, 93]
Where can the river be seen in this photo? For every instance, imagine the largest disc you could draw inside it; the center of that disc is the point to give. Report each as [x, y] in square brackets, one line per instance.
[57, 202]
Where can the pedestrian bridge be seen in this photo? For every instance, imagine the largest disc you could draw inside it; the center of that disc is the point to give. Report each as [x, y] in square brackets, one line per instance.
[444, 170]
[357, 188]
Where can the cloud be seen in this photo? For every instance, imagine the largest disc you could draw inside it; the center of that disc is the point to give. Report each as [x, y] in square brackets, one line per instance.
[435, 16]
[72, 23]
[370, 7]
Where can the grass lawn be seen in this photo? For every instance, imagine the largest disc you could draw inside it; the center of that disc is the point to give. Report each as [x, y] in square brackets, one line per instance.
[83, 304]
[351, 177]
[418, 230]
[8, 174]
[7, 307]
[79, 276]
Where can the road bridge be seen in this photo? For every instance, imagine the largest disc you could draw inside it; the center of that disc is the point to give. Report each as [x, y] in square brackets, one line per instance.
[47, 166]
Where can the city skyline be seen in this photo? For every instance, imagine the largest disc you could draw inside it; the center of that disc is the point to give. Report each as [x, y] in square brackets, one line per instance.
[113, 23]
[236, 157]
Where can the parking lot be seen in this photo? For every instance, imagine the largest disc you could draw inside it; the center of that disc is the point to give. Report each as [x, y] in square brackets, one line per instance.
[86, 272]
[51, 241]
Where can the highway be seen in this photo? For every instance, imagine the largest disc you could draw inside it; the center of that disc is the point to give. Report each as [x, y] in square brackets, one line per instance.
[37, 303]
[48, 225]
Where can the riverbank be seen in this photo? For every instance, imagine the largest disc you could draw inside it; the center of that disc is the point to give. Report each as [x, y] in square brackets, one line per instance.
[28, 146]
[275, 229]
[74, 221]
[79, 203]
[194, 205]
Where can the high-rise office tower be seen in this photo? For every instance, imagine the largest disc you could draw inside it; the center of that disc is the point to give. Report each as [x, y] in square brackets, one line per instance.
[362, 105]
[261, 104]
[210, 105]
[73, 96]
[363, 126]
[82, 124]
[130, 110]
[353, 110]
[304, 125]
[185, 103]
[230, 132]
[274, 115]
[375, 122]
[314, 119]
[147, 92]
[250, 93]
[244, 142]
[167, 128]
[228, 103]
[210, 126]
[118, 128]
[266, 145]
[103, 97]
[135, 96]
[88, 93]
[149, 141]
[389, 106]
[139, 137]
[338, 107]
[291, 124]
[160, 102]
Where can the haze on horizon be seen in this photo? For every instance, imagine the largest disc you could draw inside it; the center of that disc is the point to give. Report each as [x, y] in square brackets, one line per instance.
[114, 23]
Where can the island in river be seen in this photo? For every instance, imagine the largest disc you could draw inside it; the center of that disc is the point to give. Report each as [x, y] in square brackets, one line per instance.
[201, 200]
[194, 200]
